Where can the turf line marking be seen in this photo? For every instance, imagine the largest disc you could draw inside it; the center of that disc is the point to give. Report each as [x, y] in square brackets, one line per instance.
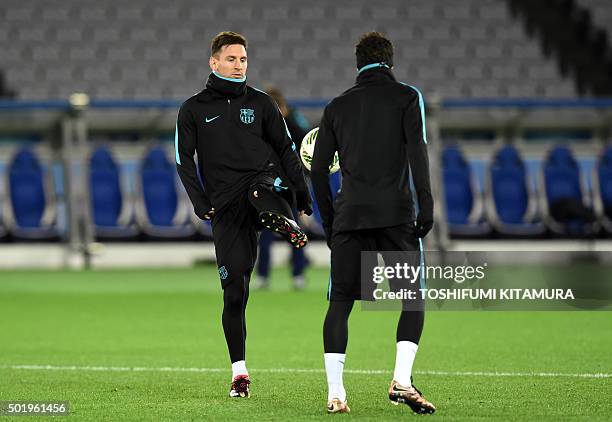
[303, 370]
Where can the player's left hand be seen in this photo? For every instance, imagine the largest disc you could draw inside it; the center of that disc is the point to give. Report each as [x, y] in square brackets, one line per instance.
[304, 203]
[422, 226]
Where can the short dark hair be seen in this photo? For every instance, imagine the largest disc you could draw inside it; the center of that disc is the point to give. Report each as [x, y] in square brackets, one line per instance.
[373, 47]
[226, 38]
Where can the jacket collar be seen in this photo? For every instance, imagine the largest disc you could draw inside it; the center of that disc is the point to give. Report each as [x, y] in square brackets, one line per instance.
[374, 72]
[220, 86]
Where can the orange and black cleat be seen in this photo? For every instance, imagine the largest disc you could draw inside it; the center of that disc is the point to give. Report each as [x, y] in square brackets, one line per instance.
[410, 396]
[285, 227]
[240, 386]
[337, 406]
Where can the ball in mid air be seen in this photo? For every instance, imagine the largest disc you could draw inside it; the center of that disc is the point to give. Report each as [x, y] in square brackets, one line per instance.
[307, 151]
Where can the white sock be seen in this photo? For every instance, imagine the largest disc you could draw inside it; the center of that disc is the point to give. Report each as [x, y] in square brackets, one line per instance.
[239, 368]
[404, 358]
[334, 366]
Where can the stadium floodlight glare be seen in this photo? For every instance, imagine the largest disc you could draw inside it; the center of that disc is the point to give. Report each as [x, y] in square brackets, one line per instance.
[79, 100]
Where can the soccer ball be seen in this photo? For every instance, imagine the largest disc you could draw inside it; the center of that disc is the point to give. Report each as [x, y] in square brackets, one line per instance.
[307, 151]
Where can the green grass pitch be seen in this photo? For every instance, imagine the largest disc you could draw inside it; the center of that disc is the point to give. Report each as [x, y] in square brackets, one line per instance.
[148, 345]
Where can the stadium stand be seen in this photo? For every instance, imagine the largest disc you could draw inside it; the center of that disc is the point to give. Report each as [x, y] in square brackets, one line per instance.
[601, 13]
[497, 195]
[466, 49]
[582, 48]
[152, 49]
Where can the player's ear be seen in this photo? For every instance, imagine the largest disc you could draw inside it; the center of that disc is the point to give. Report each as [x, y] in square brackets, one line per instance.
[212, 62]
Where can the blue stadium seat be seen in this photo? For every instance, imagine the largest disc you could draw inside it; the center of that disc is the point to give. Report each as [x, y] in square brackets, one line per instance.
[30, 212]
[161, 210]
[562, 181]
[464, 206]
[511, 205]
[602, 189]
[112, 211]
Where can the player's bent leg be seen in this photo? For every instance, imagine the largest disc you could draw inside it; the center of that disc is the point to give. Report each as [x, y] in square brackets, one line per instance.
[275, 214]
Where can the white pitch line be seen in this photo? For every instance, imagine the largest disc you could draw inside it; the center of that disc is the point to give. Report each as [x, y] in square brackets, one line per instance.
[302, 370]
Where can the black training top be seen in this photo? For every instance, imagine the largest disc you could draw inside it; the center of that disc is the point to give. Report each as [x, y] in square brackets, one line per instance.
[238, 133]
[378, 129]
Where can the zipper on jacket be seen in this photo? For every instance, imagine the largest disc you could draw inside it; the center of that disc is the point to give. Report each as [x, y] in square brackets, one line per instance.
[229, 108]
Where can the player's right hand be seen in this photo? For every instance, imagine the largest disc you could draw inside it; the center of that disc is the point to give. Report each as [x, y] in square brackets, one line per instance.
[205, 215]
[210, 214]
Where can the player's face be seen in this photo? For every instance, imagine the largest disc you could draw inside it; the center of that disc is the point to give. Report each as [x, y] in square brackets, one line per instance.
[230, 62]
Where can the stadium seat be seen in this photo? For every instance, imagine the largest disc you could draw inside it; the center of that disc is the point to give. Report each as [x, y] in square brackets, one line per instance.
[511, 204]
[602, 189]
[464, 205]
[106, 50]
[112, 210]
[562, 182]
[30, 210]
[161, 207]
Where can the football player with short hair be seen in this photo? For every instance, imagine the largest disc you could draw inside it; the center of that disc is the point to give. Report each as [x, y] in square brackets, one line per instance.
[378, 129]
[250, 174]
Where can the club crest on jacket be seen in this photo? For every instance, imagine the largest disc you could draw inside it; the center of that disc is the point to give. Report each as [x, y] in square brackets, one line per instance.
[247, 115]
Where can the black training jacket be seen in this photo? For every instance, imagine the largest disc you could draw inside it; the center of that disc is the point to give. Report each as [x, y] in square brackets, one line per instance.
[238, 133]
[378, 129]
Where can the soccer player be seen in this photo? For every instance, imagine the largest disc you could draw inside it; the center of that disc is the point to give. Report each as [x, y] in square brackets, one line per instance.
[378, 129]
[251, 176]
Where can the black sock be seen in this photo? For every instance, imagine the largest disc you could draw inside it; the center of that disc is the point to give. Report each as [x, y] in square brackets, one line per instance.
[335, 327]
[410, 326]
[235, 297]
